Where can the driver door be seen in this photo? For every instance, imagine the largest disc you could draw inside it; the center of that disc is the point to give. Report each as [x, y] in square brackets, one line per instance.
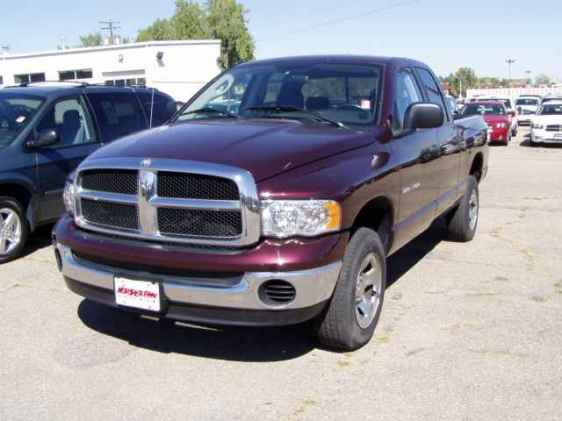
[73, 123]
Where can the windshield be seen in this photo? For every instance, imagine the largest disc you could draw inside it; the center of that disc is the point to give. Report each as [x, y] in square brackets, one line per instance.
[552, 109]
[484, 109]
[16, 111]
[324, 93]
[527, 101]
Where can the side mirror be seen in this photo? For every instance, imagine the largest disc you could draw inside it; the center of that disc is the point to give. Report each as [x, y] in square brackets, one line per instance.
[423, 116]
[456, 114]
[512, 113]
[46, 137]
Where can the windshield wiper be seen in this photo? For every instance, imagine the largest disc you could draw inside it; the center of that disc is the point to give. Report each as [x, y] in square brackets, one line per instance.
[289, 109]
[211, 111]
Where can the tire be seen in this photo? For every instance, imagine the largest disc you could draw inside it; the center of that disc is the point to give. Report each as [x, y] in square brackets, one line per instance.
[349, 323]
[11, 249]
[463, 223]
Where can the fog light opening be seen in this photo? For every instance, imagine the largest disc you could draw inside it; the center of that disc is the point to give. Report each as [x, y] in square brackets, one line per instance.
[277, 292]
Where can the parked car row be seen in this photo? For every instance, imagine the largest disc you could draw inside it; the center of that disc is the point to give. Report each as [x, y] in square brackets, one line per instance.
[46, 131]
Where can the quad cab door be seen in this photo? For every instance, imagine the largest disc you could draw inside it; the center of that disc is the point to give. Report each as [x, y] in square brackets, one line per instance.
[414, 151]
[447, 146]
[70, 118]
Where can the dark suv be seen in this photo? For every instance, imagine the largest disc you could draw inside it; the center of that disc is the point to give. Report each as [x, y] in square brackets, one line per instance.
[46, 131]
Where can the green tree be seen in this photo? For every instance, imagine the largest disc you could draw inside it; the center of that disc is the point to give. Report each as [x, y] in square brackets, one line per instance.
[94, 39]
[160, 30]
[227, 19]
[542, 79]
[221, 19]
[190, 21]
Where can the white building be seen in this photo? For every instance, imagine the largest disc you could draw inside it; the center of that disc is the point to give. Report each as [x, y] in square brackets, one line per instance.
[513, 92]
[178, 68]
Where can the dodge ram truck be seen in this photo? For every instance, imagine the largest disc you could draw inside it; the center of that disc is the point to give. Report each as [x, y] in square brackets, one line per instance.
[282, 209]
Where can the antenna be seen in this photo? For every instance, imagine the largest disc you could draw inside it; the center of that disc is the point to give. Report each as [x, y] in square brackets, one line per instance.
[151, 108]
[111, 26]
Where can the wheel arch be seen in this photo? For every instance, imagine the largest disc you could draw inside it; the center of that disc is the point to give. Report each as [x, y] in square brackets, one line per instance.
[477, 166]
[378, 215]
[23, 193]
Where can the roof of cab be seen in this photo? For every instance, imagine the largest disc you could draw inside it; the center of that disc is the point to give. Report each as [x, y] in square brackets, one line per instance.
[54, 89]
[339, 59]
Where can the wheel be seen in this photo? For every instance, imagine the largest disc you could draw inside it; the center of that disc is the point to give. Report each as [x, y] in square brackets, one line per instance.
[463, 222]
[351, 317]
[14, 229]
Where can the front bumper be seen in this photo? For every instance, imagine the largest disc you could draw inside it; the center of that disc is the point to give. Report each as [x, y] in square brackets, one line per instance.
[499, 135]
[542, 136]
[236, 299]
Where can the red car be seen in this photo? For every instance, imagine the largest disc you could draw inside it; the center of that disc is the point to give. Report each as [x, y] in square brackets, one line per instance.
[496, 116]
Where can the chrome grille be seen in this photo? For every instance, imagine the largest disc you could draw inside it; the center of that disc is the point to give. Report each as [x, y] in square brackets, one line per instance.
[554, 128]
[199, 222]
[173, 201]
[110, 214]
[195, 186]
[110, 181]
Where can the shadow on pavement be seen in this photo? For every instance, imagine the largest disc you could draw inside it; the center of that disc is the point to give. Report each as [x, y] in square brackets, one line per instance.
[234, 343]
[39, 239]
[527, 143]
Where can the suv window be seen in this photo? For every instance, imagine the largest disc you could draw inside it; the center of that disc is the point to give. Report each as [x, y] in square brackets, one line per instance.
[431, 88]
[163, 109]
[407, 93]
[70, 120]
[118, 114]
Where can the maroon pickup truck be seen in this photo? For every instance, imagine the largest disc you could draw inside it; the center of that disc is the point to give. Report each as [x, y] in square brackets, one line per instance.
[275, 196]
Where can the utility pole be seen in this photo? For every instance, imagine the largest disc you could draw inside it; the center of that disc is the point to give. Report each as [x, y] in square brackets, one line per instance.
[510, 62]
[111, 26]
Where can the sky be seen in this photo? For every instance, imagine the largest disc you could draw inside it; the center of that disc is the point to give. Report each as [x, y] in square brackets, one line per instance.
[445, 34]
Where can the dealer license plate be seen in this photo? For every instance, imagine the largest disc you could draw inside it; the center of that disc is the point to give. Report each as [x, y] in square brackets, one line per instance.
[143, 295]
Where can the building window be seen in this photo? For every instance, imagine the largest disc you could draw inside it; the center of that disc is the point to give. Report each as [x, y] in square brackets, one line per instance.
[75, 74]
[140, 81]
[29, 78]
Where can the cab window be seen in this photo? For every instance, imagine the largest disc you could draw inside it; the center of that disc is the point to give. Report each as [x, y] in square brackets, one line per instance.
[68, 117]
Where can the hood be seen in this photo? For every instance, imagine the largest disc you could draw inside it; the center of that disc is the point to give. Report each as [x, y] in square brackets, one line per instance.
[547, 119]
[263, 147]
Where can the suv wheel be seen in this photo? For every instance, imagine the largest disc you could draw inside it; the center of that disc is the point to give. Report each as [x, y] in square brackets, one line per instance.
[14, 229]
[354, 310]
[464, 219]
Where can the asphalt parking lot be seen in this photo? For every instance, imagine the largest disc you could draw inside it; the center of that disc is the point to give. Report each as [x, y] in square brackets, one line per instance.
[468, 332]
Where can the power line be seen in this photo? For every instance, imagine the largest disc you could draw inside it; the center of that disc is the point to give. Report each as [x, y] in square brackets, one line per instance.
[350, 18]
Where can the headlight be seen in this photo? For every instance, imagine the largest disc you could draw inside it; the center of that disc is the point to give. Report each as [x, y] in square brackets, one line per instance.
[69, 195]
[307, 218]
[538, 126]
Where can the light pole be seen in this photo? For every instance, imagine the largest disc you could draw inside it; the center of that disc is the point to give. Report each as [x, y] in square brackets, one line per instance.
[529, 79]
[510, 62]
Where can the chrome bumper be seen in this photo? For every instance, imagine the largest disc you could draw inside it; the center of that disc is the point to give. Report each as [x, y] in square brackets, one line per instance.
[312, 286]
